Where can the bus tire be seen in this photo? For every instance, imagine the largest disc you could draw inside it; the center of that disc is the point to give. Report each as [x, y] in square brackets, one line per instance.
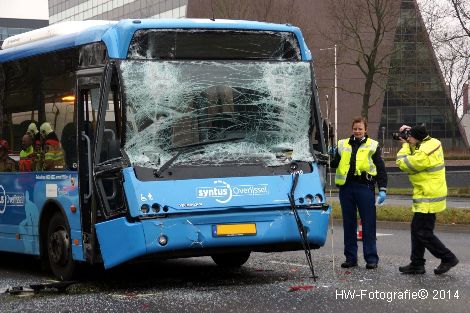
[59, 248]
[235, 259]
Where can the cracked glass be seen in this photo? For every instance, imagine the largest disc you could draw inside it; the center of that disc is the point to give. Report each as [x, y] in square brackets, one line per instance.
[260, 111]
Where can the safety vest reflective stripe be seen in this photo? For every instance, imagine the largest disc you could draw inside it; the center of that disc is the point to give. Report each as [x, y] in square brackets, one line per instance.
[429, 170]
[56, 155]
[435, 169]
[428, 200]
[407, 162]
[342, 148]
[372, 149]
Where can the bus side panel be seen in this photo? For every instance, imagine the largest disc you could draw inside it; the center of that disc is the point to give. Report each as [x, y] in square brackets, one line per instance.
[18, 214]
[22, 198]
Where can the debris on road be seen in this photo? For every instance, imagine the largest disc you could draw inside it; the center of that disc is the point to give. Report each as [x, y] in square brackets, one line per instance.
[60, 287]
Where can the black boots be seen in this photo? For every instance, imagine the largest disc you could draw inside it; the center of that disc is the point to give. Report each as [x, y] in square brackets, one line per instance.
[445, 266]
[371, 266]
[412, 269]
[348, 264]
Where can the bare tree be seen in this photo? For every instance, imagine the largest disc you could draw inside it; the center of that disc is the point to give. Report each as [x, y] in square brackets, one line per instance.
[462, 12]
[363, 27]
[447, 24]
[279, 11]
[455, 68]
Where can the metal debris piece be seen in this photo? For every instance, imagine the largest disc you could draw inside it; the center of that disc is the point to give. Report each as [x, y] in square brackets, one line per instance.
[60, 287]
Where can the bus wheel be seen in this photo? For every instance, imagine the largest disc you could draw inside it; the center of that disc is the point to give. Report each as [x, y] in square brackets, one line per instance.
[59, 248]
[231, 259]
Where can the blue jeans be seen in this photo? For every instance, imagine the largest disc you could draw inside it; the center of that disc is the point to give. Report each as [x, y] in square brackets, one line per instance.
[355, 196]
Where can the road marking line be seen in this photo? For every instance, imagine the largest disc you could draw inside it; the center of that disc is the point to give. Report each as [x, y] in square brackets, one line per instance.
[379, 234]
[291, 264]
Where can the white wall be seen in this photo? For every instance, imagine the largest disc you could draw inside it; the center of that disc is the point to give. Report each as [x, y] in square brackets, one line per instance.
[24, 9]
[466, 125]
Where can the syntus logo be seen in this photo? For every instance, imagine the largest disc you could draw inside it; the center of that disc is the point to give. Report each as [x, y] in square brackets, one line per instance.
[223, 192]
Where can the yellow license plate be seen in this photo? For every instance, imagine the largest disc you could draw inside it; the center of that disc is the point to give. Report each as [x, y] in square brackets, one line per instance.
[235, 229]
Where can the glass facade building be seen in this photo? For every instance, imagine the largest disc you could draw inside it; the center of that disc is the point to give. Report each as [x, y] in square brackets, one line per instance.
[79, 10]
[12, 26]
[415, 91]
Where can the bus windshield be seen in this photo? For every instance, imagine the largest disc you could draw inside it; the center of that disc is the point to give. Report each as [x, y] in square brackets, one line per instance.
[263, 106]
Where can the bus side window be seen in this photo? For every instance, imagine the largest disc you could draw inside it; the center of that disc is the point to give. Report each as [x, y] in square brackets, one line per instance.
[110, 143]
[69, 144]
[109, 182]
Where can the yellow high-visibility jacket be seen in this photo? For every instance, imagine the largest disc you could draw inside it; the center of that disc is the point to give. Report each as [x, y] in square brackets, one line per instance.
[426, 171]
[364, 162]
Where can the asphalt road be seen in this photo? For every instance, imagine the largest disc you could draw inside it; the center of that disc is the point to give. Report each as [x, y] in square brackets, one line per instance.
[277, 282]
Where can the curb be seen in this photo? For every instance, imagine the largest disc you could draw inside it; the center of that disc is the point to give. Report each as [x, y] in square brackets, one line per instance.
[460, 228]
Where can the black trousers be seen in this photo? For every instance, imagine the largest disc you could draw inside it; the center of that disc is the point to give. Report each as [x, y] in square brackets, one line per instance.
[422, 237]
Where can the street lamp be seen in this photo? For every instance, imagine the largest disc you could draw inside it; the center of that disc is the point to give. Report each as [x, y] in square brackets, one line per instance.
[336, 90]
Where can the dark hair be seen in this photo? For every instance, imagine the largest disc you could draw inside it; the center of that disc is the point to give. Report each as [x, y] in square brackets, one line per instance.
[360, 119]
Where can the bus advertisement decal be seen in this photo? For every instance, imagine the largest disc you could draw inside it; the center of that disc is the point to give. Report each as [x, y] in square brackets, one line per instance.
[9, 199]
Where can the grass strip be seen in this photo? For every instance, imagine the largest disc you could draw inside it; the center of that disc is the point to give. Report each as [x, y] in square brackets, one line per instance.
[463, 192]
[395, 213]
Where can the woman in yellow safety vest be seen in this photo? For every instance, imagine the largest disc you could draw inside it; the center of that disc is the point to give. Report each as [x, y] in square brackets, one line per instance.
[359, 166]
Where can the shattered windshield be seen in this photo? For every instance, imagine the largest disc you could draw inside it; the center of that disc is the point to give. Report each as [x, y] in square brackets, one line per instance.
[263, 106]
[206, 44]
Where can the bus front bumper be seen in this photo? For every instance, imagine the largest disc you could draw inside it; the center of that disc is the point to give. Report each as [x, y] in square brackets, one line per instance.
[121, 240]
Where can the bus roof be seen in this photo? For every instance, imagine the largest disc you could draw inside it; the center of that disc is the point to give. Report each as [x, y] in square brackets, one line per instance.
[117, 35]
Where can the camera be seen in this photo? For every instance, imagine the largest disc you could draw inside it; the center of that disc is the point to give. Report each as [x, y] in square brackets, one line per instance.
[404, 134]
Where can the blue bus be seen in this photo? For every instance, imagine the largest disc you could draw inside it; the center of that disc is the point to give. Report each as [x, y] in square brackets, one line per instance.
[180, 138]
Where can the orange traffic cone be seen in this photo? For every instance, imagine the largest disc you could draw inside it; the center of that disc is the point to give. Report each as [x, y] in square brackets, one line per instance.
[359, 229]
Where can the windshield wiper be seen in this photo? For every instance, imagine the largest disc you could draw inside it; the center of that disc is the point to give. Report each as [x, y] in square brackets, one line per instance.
[190, 147]
[300, 226]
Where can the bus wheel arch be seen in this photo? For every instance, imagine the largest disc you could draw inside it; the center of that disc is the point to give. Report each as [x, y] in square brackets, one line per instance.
[56, 245]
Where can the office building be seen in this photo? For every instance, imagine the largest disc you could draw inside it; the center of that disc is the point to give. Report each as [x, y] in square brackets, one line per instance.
[79, 10]
[14, 19]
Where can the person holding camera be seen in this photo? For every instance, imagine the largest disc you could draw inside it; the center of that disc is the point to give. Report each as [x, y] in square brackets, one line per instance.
[422, 158]
[359, 166]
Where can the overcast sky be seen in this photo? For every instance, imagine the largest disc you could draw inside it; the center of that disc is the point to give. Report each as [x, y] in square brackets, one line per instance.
[27, 9]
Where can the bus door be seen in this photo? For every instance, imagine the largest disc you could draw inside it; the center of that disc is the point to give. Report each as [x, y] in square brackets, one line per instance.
[107, 161]
[89, 86]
